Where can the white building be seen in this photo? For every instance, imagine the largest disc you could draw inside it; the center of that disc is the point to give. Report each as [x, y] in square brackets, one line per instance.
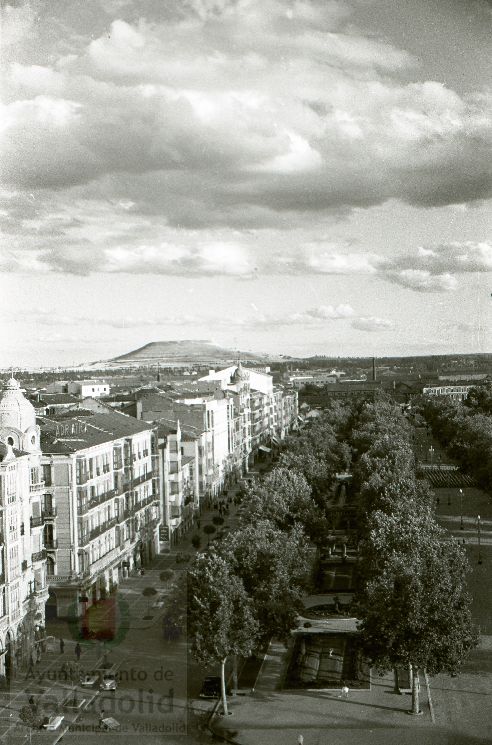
[456, 392]
[88, 388]
[105, 492]
[23, 586]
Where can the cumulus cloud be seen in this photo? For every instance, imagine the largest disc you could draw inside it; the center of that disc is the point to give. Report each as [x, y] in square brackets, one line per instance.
[149, 137]
[240, 107]
[433, 269]
[423, 281]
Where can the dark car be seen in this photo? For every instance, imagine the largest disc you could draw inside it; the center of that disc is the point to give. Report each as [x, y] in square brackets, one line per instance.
[211, 687]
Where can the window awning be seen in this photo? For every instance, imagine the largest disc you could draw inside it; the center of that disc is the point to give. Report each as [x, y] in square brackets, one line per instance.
[264, 449]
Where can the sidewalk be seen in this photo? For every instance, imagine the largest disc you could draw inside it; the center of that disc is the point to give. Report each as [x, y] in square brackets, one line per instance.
[373, 717]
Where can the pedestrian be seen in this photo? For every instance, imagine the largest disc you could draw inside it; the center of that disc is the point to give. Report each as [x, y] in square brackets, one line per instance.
[101, 719]
[62, 646]
[344, 692]
[38, 655]
[300, 740]
[78, 651]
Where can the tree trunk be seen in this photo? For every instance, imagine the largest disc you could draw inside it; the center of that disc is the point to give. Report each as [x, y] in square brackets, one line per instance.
[415, 691]
[234, 675]
[396, 678]
[223, 687]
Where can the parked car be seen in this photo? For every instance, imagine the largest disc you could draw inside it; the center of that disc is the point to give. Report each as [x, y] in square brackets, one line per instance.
[211, 687]
[108, 682]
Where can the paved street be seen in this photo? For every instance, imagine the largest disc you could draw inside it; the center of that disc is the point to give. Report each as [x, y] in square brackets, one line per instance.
[158, 681]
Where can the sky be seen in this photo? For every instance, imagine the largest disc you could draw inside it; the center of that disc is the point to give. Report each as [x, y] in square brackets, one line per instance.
[287, 176]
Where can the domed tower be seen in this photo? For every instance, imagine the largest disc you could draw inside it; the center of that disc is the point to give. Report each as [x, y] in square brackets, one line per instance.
[18, 419]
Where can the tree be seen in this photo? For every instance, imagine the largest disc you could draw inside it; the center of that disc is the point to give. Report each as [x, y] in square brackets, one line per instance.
[414, 608]
[284, 498]
[221, 619]
[274, 567]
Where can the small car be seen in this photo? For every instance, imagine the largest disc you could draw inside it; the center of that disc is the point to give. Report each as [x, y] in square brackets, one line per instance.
[211, 687]
[89, 679]
[108, 682]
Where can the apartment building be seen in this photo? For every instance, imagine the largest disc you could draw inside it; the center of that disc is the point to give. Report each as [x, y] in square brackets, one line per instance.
[266, 413]
[104, 491]
[179, 479]
[23, 584]
[210, 416]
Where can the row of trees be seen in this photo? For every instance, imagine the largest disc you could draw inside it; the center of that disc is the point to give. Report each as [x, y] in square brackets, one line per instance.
[412, 603]
[249, 586]
[465, 431]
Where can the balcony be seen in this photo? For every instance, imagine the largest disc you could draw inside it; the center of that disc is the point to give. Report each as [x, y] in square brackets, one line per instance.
[49, 513]
[39, 555]
[102, 528]
[37, 521]
[51, 545]
[104, 497]
[36, 488]
[144, 477]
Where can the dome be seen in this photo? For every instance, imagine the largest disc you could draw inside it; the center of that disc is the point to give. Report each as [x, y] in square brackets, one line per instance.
[15, 410]
[240, 374]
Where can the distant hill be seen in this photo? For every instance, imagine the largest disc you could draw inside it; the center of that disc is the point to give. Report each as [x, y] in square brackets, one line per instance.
[185, 352]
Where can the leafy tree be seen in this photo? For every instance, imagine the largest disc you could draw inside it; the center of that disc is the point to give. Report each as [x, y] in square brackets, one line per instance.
[480, 399]
[274, 567]
[414, 608]
[284, 497]
[221, 619]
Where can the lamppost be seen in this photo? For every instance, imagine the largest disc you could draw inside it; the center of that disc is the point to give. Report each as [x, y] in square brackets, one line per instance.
[461, 509]
[478, 530]
[431, 451]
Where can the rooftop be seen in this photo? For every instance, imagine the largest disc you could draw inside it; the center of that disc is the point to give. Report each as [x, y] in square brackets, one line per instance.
[70, 434]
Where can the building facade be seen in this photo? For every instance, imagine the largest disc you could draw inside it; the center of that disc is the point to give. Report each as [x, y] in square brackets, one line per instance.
[23, 581]
[104, 491]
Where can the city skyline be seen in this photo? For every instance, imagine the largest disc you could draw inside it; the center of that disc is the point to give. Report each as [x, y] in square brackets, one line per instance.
[278, 177]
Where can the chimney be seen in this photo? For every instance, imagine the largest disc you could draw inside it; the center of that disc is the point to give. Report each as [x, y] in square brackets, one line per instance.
[374, 377]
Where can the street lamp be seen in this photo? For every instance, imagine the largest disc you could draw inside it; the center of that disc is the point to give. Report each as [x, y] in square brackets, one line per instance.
[461, 509]
[478, 530]
[431, 451]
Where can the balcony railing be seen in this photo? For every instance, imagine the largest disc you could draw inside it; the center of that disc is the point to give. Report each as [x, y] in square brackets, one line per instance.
[49, 513]
[102, 528]
[37, 487]
[51, 545]
[37, 521]
[39, 555]
[143, 477]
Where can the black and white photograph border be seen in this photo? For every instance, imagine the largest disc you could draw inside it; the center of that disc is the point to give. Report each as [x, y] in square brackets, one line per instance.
[245, 371]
